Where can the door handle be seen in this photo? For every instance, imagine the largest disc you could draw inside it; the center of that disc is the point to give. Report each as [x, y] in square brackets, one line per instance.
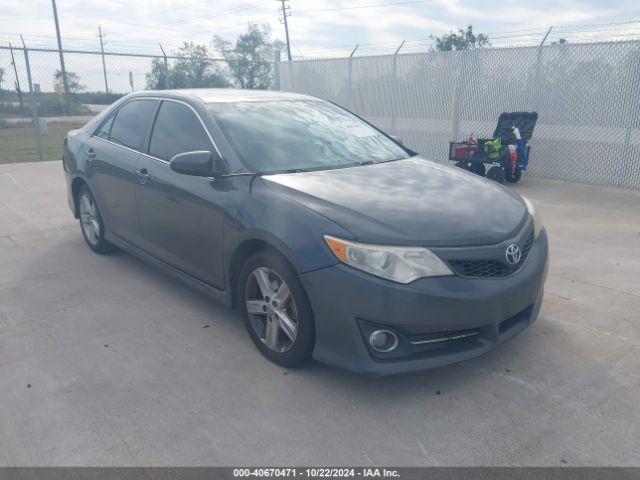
[143, 175]
[91, 154]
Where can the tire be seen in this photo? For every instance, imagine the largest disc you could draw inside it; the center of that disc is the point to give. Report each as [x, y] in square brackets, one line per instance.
[496, 174]
[91, 223]
[265, 308]
[477, 168]
[512, 177]
[463, 165]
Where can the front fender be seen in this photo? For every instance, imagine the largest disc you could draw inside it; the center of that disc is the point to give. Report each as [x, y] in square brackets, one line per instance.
[294, 230]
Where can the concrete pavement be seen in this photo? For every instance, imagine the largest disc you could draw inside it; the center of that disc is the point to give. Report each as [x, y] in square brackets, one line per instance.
[105, 361]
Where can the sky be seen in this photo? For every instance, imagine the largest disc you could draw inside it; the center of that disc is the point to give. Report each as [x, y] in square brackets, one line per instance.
[316, 26]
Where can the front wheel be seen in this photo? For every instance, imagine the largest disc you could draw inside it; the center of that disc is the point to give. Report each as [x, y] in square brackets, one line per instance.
[276, 311]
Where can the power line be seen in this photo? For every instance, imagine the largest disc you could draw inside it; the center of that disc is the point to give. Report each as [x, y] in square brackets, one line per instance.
[596, 25]
[23, 19]
[226, 27]
[356, 7]
[221, 12]
[155, 25]
[173, 10]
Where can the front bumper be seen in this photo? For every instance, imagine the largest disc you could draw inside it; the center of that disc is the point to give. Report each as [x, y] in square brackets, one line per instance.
[496, 309]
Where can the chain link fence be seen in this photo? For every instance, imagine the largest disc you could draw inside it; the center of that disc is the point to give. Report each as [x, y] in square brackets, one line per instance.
[36, 113]
[587, 97]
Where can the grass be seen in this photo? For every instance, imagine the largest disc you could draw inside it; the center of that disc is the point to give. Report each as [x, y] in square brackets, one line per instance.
[19, 144]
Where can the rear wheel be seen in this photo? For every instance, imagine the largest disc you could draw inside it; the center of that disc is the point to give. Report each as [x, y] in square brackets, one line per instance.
[277, 313]
[512, 177]
[91, 222]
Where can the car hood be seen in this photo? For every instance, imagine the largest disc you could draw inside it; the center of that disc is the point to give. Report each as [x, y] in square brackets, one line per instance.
[408, 202]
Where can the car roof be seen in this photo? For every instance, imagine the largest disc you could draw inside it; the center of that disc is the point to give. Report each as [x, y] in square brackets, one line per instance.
[216, 95]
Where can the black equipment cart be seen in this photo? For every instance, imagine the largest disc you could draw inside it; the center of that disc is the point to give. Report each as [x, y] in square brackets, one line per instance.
[507, 152]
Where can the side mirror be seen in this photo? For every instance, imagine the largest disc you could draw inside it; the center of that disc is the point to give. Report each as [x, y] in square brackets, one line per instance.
[397, 139]
[202, 163]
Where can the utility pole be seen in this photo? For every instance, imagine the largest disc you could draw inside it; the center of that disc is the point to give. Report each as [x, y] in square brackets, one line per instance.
[65, 84]
[285, 14]
[104, 65]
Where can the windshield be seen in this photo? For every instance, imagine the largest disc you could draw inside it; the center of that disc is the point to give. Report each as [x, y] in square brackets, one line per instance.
[301, 135]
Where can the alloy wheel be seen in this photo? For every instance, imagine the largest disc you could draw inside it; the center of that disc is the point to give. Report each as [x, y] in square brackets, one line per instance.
[89, 219]
[272, 311]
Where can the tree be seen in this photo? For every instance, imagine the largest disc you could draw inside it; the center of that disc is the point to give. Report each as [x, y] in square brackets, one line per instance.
[158, 77]
[461, 40]
[561, 41]
[1, 77]
[250, 60]
[191, 69]
[73, 81]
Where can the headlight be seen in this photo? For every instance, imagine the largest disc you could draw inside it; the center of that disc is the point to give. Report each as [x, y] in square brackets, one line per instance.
[400, 264]
[537, 219]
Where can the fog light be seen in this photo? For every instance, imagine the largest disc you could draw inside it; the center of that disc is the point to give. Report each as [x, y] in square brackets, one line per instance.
[383, 340]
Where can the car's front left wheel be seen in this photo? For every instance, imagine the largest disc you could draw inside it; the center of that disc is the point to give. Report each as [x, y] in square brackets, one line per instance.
[91, 222]
[277, 313]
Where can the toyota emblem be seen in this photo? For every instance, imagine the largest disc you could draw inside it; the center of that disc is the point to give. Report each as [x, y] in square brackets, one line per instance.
[513, 254]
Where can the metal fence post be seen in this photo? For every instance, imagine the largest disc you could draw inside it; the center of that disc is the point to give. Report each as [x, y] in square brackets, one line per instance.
[537, 79]
[460, 61]
[32, 97]
[350, 83]
[166, 67]
[395, 93]
[455, 111]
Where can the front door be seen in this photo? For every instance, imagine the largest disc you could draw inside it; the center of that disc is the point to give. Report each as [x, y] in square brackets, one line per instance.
[181, 215]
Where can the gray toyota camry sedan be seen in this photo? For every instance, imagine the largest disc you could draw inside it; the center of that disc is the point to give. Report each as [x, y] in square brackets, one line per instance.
[334, 240]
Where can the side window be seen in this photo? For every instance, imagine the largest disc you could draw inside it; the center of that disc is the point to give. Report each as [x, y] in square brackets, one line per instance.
[103, 131]
[130, 123]
[177, 130]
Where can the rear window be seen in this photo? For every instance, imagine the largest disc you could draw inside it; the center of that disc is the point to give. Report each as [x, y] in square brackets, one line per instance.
[130, 123]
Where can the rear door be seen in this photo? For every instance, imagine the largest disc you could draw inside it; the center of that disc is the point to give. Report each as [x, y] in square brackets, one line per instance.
[181, 216]
[112, 159]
